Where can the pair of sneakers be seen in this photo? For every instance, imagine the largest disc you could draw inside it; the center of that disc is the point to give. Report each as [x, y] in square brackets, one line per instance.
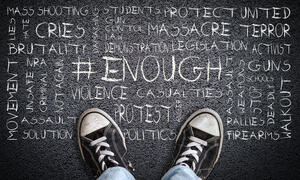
[198, 144]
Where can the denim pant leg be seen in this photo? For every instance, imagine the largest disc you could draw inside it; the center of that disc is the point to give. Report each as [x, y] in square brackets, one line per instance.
[180, 173]
[116, 173]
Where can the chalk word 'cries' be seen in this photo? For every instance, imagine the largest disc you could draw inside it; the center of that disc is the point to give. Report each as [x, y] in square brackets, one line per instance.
[64, 30]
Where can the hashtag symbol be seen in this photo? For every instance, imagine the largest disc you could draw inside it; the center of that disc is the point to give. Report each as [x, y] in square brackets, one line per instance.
[80, 65]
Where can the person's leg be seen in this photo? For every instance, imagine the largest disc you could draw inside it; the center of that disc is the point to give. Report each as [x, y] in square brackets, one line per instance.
[198, 146]
[180, 172]
[116, 173]
[102, 146]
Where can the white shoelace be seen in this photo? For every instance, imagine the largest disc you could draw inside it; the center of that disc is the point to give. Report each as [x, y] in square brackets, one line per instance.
[100, 142]
[195, 142]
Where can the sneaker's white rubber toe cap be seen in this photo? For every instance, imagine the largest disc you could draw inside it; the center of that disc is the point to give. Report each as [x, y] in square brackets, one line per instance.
[93, 122]
[206, 122]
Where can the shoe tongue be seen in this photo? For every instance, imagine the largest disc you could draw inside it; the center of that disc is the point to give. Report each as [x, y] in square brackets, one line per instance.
[191, 158]
[108, 163]
[190, 131]
[96, 134]
[112, 139]
[199, 134]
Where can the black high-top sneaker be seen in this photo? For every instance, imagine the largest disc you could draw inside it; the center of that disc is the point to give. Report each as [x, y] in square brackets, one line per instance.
[101, 142]
[199, 142]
